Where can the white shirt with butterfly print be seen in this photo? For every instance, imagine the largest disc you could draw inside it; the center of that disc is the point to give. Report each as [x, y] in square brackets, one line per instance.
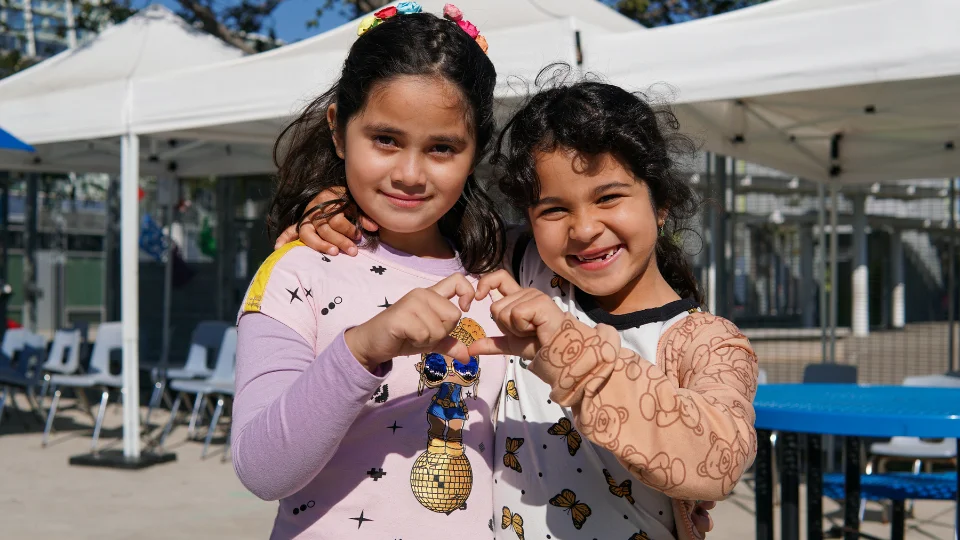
[553, 480]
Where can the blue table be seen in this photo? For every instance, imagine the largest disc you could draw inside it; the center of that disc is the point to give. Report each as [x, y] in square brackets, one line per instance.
[847, 410]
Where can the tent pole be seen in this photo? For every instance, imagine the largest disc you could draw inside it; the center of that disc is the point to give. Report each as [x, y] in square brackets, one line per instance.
[951, 277]
[834, 240]
[711, 238]
[130, 300]
[719, 235]
[31, 292]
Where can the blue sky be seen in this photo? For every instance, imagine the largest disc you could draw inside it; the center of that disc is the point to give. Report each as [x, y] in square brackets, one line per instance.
[290, 18]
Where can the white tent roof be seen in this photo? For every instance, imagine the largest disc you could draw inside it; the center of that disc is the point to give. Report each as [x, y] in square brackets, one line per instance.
[265, 90]
[82, 93]
[776, 86]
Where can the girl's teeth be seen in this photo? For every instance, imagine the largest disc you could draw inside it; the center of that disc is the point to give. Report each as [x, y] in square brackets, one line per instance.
[602, 257]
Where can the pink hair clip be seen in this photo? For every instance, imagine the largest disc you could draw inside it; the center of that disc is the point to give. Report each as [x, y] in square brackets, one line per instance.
[454, 14]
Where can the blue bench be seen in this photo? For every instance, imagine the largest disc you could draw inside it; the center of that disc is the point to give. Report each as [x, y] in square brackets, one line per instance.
[897, 487]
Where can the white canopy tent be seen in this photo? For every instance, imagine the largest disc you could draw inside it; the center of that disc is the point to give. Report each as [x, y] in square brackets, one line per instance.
[860, 91]
[73, 107]
[266, 89]
[837, 91]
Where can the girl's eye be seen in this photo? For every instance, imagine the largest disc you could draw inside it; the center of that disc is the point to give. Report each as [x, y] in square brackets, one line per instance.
[384, 140]
[609, 198]
[552, 212]
[444, 149]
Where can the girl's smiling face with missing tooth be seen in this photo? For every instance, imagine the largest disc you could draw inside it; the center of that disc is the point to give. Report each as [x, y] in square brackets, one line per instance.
[595, 225]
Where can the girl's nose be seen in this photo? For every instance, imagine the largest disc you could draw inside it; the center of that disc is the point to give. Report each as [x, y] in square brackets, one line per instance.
[408, 170]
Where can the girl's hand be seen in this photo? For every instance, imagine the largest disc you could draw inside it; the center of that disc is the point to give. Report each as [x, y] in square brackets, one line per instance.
[528, 318]
[701, 516]
[336, 235]
[420, 322]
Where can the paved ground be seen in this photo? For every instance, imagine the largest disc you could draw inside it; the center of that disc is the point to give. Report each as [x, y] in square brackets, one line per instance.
[45, 498]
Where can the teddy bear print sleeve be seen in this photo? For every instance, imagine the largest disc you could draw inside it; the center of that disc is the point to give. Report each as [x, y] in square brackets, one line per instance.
[683, 426]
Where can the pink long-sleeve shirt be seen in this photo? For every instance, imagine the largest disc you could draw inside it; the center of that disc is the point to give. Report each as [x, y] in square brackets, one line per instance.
[345, 451]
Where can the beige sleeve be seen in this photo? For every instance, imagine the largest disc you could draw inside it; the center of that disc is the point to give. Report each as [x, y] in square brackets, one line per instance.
[683, 426]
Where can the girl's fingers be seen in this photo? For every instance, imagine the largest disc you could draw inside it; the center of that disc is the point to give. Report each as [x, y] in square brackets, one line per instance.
[516, 313]
[522, 347]
[501, 281]
[368, 224]
[451, 347]
[456, 285]
[288, 235]
[702, 520]
[327, 234]
[434, 323]
[309, 236]
[345, 235]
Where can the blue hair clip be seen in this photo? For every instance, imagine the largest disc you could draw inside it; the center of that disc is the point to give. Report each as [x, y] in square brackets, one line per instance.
[409, 8]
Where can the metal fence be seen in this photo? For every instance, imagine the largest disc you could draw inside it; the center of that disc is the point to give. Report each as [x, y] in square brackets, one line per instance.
[766, 262]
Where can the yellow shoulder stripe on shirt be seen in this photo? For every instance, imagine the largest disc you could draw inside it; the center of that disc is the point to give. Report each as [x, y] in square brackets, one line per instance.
[259, 284]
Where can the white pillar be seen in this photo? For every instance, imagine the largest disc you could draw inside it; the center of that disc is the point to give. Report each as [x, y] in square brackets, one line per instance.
[129, 287]
[861, 294]
[898, 304]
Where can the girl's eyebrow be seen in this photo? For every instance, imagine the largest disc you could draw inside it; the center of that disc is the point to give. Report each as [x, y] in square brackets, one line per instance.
[453, 140]
[607, 187]
[383, 128]
[596, 192]
[547, 200]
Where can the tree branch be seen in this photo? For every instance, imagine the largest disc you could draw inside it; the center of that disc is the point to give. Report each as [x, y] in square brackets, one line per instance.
[213, 26]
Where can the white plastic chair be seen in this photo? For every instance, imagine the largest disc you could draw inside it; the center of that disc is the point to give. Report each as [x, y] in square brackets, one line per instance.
[63, 358]
[220, 383]
[913, 448]
[207, 335]
[109, 338]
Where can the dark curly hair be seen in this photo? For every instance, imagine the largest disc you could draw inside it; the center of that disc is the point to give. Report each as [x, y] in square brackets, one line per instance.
[418, 44]
[592, 118]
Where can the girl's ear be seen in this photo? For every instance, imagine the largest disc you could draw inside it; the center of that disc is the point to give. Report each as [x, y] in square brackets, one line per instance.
[662, 216]
[334, 134]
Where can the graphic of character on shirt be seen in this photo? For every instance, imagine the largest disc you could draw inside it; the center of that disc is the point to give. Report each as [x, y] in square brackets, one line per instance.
[442, 478]
[448, 409]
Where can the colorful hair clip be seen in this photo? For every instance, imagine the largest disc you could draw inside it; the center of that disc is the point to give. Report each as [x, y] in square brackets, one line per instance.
[450, 11]
[453, 13]
[403, 8]
[409, 8]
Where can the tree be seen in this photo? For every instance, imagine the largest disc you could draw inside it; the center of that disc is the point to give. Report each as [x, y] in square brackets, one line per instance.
[664, 12]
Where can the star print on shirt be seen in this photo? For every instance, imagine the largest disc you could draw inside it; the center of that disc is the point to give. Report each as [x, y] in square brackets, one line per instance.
[386, 303]
[360, 519]
[294, 294]
[394, 427]
[376, 473]
[308, 293]
[379, 270]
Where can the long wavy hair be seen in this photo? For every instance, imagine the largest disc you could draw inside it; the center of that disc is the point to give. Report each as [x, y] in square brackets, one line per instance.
[419, 44]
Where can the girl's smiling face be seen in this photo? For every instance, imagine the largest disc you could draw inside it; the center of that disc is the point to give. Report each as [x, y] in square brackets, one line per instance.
[408, 154]
[595, 225]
